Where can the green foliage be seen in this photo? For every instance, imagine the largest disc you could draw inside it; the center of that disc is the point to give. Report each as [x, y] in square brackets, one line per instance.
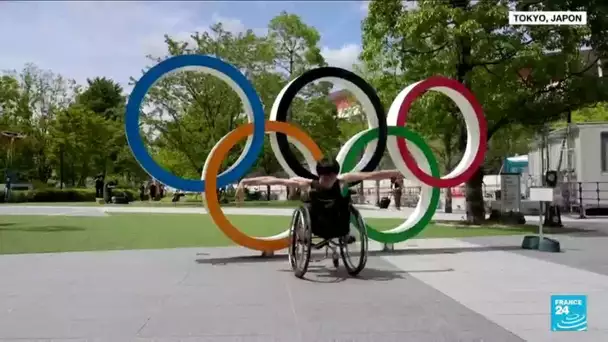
[103, 97]
[473, 43]
[595, 113]
[192, 111]
[53, 195]
[295, 44]
[74, 133]
[71, 134]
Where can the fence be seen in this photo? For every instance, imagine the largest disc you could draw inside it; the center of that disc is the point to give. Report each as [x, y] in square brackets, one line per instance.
[409, 194]
[580, 198]
[586, 198]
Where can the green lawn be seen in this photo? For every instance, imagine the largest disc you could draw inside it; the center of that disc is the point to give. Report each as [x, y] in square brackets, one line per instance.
[36, 234]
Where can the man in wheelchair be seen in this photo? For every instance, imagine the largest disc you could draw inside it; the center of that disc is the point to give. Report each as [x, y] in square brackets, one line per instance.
[329, 203]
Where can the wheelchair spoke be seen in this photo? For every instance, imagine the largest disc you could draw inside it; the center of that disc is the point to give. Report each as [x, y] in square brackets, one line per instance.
[354, 246]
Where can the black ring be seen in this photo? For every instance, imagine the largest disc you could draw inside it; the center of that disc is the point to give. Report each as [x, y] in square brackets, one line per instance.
[310, 76]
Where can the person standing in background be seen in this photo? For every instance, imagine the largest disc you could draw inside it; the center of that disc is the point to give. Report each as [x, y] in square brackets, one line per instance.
[397, 190]
[152, 191]
[107, 192]
[142, 191]
[7, 189]
[99, 186]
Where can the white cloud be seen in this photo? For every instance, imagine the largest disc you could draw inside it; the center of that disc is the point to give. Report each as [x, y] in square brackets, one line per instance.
[410, 5]
[82, 40]
[364, 6]
[344, 57]
[230, 24]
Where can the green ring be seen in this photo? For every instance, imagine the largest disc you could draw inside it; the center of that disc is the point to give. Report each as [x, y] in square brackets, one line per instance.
[351, 160]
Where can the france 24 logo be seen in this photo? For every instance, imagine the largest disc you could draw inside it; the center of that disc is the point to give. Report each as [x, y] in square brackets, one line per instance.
[568, 313]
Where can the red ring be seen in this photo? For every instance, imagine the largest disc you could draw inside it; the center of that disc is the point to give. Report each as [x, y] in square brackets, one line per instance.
[410, 162]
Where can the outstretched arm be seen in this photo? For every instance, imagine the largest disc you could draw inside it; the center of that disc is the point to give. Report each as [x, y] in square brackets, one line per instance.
[269, 180]
[374, 175]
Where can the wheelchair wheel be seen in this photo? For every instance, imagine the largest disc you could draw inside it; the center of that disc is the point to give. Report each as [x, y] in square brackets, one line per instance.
[301, 241]
[354, 254]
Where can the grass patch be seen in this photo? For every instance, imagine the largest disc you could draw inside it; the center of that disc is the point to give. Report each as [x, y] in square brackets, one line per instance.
[39, 234]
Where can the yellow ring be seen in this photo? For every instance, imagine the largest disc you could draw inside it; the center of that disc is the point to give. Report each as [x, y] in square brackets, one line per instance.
[212, 168]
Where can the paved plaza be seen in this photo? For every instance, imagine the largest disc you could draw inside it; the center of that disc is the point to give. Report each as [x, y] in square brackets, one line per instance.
[475, 289]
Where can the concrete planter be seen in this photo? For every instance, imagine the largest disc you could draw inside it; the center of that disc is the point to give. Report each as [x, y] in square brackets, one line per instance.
[544, 245]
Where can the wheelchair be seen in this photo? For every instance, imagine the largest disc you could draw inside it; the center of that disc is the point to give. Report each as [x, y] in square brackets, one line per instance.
[303, 241]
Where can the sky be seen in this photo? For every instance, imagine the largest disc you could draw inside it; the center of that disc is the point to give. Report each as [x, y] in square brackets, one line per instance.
[81, 40]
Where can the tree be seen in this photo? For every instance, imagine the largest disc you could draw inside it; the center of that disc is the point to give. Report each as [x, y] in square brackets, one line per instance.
[597, 112]
[473, 43]
[295, 44]
[32, 99]
[296, 50]
[79, 139]
[104, 98]
[192, 111]
[9, 99]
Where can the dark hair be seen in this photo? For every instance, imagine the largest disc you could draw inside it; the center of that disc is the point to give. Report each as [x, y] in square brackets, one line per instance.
[328, 166]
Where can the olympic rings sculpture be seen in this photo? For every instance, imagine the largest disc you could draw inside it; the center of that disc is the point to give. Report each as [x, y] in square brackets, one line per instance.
[414, 158]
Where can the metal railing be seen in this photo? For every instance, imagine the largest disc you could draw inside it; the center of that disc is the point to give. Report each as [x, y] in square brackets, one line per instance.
[577, 198]
[587, 199]
[409, 195]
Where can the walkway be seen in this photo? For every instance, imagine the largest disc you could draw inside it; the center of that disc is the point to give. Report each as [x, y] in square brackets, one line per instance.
[366, 210]
[436, 290]
[476, 289]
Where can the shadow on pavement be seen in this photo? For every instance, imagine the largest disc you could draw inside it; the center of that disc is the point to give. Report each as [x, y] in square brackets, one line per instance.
[242, 259]
[413, 251]
[447, 250]
[373, 274]
[327, 274]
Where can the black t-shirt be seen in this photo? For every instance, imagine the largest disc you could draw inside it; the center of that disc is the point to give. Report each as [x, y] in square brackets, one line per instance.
[329, 205]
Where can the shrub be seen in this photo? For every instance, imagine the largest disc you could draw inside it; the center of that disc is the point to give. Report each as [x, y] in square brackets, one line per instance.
[17, 196]
[131, 194]
[52, 195]
[252, 195]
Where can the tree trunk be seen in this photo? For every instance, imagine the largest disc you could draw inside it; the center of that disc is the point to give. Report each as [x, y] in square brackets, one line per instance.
[448, 201]
[473, 188]
[268, 192]
[474, 196]
[61, 168]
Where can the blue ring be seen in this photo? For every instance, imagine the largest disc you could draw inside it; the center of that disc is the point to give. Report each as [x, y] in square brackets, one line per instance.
[139, 149]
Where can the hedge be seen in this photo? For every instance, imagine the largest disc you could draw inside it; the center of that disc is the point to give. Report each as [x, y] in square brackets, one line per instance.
[64, 195]
[88, 195]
